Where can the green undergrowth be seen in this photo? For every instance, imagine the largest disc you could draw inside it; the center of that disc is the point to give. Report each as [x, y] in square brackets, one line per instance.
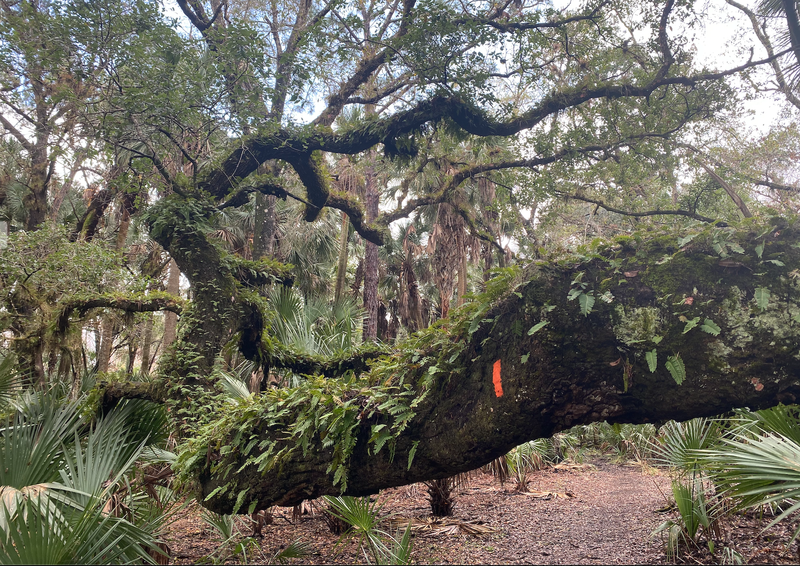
[329, 410]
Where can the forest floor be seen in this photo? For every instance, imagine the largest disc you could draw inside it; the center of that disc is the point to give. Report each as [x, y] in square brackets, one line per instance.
[600, 513]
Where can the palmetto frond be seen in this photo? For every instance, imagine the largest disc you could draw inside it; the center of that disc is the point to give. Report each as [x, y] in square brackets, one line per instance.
[680, 443]
[315, 326]
[762, 471]
[786, 10]
[58, 475]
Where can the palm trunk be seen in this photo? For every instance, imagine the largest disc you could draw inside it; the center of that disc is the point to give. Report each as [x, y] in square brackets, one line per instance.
[414, 298]
[264, 226]
[131, 356]
[462, 279]
[371, 256]
[147, 341]
[341, 269]
[107, 326]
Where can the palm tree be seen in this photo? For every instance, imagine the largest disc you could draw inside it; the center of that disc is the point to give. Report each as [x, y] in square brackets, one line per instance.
[60, 480]
[786, 9]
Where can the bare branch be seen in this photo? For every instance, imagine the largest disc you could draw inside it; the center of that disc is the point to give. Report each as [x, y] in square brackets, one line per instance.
[663, 41]
[364, 70]
[601, 204]
[16, 133]
[493, 20]
[728, 189]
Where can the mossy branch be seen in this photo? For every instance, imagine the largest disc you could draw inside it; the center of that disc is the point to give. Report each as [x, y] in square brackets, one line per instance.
[282, 357]
[137, 303]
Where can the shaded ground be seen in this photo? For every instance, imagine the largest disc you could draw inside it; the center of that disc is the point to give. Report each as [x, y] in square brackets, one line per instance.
[604, 515]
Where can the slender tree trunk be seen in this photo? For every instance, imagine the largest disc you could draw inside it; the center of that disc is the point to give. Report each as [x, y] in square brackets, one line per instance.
[147, 341]
[462, 279]
[106, 344]
[108, 326]
[414, 298]
[170, 318]
[488, 260]
[737, 200]
[39, 176]
[270, 226]
[264, 229]
[488, 195]
[131, 356]
[371, 255]
[341, 268]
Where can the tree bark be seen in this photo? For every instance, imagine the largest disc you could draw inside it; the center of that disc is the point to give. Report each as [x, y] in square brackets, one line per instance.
[106, 344]
[462, 279]
[503, 380]
[341, 267]
[171, 319]
[86, 229]
[371, 198]
[264, 235]
[147, 341]
[220, 311]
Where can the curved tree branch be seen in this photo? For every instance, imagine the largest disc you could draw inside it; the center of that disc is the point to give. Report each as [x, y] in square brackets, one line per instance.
[290, 147]
[601, 204]
[728, 189]
[145, 304]
[776, 68]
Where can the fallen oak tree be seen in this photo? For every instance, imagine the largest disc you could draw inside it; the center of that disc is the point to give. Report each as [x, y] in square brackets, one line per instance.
[434, 407]
[651, 327]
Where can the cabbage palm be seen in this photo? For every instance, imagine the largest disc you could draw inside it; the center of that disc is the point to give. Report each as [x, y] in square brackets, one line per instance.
[786, 9]
[759, 462]
[681, 447]
[58, 476]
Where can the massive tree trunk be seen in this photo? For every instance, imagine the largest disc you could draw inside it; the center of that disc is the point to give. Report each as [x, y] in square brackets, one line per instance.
[494, 375]
[224, 308]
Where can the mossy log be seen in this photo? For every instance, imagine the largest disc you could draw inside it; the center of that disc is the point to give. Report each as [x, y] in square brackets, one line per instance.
[724, 306]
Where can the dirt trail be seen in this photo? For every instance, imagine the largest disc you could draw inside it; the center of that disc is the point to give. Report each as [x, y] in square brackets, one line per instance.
[607, 518]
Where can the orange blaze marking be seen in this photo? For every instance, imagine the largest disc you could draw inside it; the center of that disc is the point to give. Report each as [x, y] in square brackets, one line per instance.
[498, 384]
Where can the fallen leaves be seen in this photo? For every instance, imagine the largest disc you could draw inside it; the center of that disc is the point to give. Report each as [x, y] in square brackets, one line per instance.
[442, 526]
[549, 494]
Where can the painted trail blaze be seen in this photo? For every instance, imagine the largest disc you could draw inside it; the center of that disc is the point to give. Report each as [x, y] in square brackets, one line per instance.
[498, 384]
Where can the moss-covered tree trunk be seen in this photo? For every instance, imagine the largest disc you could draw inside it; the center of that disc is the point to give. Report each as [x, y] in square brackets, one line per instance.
[605, 336]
